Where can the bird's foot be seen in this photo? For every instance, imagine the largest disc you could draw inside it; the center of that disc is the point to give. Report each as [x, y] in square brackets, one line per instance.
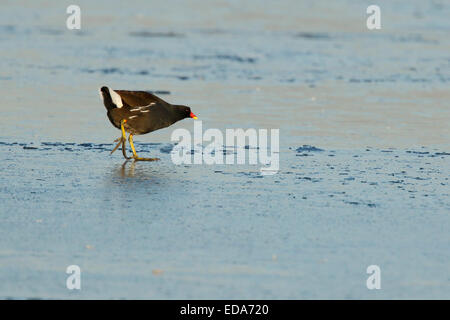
[136, 158]
[121, 140]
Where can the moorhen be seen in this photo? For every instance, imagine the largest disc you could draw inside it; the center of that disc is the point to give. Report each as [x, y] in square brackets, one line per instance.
[139, 112]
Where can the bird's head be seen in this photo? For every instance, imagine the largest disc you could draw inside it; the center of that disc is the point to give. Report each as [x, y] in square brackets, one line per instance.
[187, 112]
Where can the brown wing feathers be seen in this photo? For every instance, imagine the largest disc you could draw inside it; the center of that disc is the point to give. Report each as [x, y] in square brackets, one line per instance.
[138, 98]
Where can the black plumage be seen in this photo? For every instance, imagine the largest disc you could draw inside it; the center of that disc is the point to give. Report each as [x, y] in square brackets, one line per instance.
[140, 112]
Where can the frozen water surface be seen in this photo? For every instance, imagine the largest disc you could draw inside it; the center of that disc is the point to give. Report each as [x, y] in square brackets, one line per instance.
[364, 151]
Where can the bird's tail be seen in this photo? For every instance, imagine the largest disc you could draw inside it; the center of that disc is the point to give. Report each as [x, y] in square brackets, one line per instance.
[111, 99]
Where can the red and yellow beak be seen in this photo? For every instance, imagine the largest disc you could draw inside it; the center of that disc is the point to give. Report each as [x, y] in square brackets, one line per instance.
[193, 116]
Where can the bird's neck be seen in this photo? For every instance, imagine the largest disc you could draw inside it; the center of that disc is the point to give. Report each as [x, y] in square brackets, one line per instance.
[107, 101]
[179, 112]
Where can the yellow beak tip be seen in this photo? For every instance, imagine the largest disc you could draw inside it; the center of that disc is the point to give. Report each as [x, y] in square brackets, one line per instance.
[195, 118]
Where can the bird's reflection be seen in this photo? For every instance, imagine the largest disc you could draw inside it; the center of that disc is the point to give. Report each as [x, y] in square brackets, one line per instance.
[130, 182]
[130, 172]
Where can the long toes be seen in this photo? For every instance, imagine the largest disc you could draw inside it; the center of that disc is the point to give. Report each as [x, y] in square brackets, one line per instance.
[115, 148]
[145, 159]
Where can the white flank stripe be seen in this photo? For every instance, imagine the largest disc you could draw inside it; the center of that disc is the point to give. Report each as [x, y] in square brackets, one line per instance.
[138, 109]
[132, 117]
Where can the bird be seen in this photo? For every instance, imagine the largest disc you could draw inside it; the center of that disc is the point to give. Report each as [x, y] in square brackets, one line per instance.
[139, 112]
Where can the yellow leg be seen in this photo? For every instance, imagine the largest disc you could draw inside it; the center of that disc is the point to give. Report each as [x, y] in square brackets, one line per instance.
[135, 156]
[122, 141]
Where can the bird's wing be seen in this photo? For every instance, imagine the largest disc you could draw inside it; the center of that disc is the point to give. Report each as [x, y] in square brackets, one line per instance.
[139, 98]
